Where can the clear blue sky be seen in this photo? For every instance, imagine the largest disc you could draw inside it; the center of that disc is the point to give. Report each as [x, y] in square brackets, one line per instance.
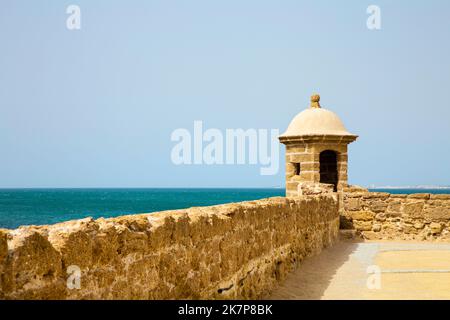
[95, 107]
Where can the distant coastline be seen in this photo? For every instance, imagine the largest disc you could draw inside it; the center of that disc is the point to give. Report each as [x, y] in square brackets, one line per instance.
[420, 187]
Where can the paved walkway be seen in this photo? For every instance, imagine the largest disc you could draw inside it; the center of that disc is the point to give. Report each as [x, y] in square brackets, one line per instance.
[349, 271]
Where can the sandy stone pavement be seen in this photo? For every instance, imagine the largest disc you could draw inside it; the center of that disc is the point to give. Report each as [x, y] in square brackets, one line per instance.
[348, 270]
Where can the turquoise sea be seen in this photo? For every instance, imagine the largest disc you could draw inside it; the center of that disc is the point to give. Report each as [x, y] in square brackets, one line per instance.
[46, 206]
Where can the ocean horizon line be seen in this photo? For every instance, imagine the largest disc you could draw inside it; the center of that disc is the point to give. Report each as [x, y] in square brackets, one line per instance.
[419, 187]
[409, 187]
[112, 188]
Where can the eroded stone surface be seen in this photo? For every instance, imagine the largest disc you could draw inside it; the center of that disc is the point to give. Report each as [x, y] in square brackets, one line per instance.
[387, 216]
[238, 250]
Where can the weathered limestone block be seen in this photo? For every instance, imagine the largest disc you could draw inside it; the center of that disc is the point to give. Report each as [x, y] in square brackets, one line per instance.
[363, 215]
[394, 208]
[424, 196]
[381, 217]
[310, 166]
[376, 195]
[414, 209]
[3, 256]
[378, 206]
[354, 188]
[440, 197]
[301, 157]
[296, 179]
[398, 196]
[339, 148]
[292, 186]
[408, 228]
[309, 188]
[73, 240]
[3, 245]
[307, 176]
[352, 204]
[105, 244]
[362, 225]
[33, 267]
[437, 213]
[296, 149]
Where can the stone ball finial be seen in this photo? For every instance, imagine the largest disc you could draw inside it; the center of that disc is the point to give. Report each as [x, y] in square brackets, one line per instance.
[315, 98]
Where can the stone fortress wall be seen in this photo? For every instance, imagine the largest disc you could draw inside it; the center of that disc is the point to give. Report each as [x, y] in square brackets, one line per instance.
[384, 216]
[238, 250]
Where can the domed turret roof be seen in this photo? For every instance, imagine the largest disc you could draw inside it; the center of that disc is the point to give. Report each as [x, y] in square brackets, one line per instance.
[316, 121]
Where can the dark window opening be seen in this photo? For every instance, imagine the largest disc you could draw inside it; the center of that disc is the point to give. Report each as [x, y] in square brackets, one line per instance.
[297, 168]
[328, 168]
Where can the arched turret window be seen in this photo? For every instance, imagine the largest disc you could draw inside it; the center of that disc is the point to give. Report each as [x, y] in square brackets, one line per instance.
[328, 168]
